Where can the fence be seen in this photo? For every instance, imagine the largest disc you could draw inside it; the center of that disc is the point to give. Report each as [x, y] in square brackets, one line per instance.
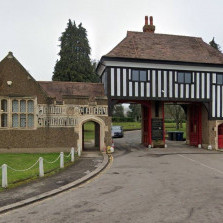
[41, 161]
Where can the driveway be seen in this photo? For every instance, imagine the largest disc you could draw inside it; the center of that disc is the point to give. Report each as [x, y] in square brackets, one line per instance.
[169, 185]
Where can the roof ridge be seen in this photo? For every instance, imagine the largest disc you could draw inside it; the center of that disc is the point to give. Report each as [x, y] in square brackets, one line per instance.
[72, 82]
[164, 34]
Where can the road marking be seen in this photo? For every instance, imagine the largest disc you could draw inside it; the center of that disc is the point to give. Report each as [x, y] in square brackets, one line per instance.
[202, 164]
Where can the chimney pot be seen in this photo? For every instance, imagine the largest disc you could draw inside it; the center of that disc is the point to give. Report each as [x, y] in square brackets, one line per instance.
[151, 20]
[146, 20]
[149, 28]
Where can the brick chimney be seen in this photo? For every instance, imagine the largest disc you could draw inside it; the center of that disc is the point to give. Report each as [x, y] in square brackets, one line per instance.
[149, 28]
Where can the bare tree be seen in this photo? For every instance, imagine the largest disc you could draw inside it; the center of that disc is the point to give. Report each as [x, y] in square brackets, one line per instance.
[176, 113]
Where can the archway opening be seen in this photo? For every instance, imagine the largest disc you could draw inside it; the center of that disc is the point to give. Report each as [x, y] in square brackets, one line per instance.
[128, 117]
[91, 136]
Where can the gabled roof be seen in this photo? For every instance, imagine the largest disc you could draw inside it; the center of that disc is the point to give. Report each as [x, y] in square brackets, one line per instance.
[152, 46]
[12, 70]
[57, 89]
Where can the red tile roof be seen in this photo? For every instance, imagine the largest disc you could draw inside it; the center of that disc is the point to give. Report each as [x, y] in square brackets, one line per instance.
[57, 89]
[152, 46]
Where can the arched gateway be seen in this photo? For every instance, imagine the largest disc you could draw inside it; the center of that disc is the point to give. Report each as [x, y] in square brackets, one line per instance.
[153, 69]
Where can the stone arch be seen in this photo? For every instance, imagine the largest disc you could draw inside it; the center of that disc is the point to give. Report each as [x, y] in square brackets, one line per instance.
[97, 120]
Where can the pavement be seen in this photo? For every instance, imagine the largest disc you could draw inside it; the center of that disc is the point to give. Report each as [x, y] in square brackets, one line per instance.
[86, 167]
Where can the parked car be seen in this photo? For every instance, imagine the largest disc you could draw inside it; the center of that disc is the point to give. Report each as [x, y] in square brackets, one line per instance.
[117, 131]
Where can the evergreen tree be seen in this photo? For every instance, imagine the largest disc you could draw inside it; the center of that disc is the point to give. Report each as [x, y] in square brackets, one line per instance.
[118, 111]
[135, 112]
[74, 63]
[215, 45]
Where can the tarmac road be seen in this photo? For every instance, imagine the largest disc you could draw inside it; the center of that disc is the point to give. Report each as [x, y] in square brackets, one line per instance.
[169, 185]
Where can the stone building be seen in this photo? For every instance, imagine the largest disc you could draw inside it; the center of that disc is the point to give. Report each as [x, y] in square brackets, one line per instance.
[153, 69]
[48, 116]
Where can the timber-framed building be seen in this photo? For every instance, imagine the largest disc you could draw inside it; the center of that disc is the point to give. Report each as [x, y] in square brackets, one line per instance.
[153, 69]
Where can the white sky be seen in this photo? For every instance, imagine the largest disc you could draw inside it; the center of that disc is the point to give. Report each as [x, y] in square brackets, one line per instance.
[30, 29]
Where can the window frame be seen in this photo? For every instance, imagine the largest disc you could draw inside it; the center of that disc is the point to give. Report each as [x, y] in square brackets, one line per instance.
[23, 112]
[139, 77]
[184, 77]
[219, 75]
[2, 113]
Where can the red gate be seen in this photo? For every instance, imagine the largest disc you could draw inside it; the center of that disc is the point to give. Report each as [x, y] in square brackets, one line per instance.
[195, 124]
[146, 122]
[220, 136]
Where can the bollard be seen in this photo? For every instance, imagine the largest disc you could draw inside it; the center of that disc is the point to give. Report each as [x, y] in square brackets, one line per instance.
[4, 176]
[41, 170]
[79, 151]
[72, 154]
[209, 147]
[61, 160]
[199, 146]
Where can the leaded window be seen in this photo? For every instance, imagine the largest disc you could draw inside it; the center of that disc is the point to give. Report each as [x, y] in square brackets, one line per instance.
[22, 106]
[4, 120]
[23, 113]
[4, 113]
[15, 106]
[17, 113]
[15, 121]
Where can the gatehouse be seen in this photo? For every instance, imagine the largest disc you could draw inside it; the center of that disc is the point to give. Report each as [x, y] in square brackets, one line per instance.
[153, 69]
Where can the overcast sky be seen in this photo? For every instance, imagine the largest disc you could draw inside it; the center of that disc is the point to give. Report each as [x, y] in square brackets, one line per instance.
[30, 29]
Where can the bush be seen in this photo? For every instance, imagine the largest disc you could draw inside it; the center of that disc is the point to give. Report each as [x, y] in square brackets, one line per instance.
[122, 119]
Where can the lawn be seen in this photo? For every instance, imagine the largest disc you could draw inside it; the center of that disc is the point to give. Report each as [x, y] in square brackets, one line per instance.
[172, 127]
[89, 131]
[26, 160]
[128, 125]
[137, 125]
[89, 128]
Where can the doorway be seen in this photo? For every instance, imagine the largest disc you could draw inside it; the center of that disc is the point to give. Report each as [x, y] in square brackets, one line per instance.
[91, 136]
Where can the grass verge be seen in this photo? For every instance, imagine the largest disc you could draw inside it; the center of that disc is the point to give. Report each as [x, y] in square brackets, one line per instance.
[21, 161]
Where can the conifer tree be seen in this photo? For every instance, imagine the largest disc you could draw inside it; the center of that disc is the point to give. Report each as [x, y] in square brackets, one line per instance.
[74, 63]
[215, 45]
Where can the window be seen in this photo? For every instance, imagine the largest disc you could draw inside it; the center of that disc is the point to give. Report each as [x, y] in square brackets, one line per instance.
[219, 78]
[4, 113]
[184, 77]
[139, 75]
[20, 115]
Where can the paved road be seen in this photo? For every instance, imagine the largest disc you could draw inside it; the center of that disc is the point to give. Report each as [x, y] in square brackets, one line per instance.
[171, 185]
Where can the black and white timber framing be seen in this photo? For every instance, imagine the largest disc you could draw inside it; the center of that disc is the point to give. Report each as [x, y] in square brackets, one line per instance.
[161, 83]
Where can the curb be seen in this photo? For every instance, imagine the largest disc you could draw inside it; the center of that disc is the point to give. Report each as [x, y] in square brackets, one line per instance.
[66, 187]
